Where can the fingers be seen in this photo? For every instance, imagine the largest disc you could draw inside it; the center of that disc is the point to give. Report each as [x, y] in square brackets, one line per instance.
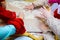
[21, 15]
[30, 7]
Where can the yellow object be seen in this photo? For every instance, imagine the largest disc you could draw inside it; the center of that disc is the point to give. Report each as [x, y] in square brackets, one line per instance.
[29, 0]
[41, 38]
[48, 8]
[56, 37]
[26, 34]
[33, 37]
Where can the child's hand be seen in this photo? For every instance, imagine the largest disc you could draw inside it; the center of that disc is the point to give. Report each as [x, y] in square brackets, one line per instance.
[30, 7]
[45, 12]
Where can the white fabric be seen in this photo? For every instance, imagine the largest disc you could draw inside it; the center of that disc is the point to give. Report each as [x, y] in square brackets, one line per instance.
[48, 36]
[53, 23]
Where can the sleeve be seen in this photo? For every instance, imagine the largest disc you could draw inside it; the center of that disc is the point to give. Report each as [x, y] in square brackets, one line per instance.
[6, 31]
[5, 14]
[19, 25]
[8, 14]
[54, 25]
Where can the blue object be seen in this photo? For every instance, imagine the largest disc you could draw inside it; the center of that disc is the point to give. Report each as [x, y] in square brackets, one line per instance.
[6, 31]
[54, 7]
[23, 38]
[59, 9]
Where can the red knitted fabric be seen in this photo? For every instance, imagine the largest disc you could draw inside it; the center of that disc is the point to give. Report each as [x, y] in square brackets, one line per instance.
[6, 15]
[56, 15]
[10, 18]
[19, 24]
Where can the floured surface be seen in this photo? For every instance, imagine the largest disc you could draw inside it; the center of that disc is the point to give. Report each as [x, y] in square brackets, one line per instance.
[31, 22]
[32, 25]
